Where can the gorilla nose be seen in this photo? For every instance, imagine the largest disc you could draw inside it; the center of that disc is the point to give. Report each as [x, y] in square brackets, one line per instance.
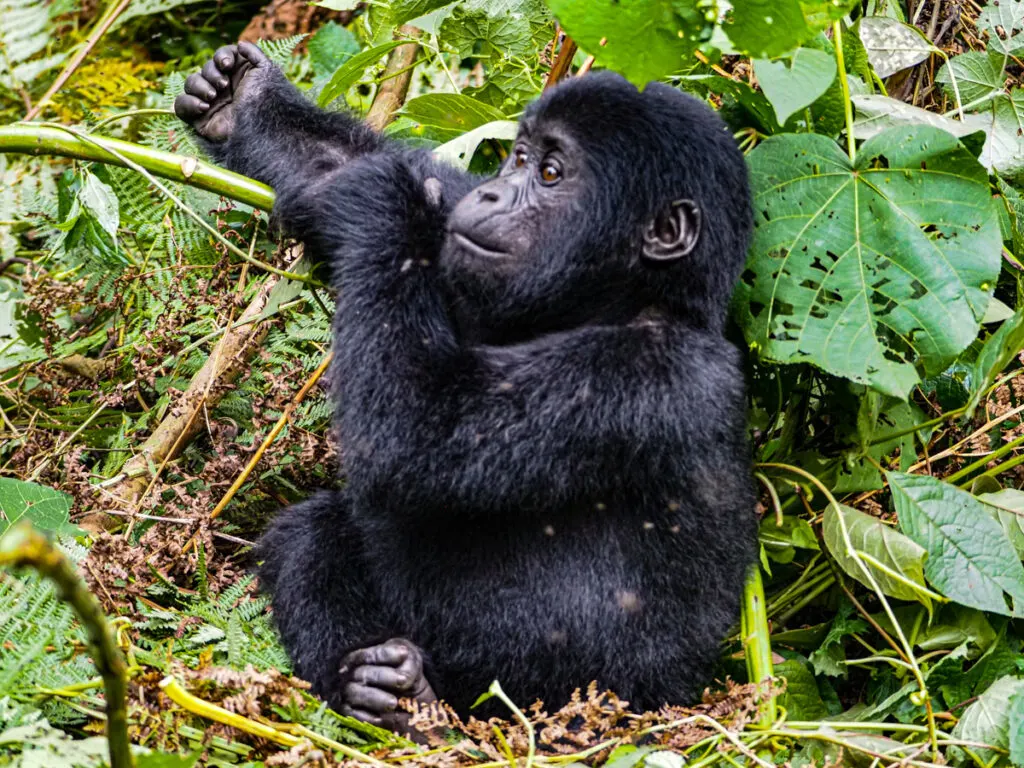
[497, 194]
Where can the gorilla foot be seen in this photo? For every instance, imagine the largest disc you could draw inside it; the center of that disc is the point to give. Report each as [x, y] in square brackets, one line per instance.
[375, 678]
[211, 96]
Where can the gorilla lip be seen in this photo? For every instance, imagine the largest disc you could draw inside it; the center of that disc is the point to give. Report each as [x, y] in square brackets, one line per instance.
[477, 248]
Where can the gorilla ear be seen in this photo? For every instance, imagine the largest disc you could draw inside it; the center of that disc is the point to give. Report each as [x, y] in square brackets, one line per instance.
[673, 232]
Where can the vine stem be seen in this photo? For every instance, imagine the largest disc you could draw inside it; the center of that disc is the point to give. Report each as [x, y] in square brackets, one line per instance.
[35, 139]
[858, 558]
[22, 545]
[844, 85]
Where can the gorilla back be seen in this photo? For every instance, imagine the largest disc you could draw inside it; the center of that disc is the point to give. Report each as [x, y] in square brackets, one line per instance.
[542, 425]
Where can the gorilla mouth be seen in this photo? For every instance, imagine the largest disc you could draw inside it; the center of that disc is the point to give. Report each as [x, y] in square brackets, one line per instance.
[476, 248]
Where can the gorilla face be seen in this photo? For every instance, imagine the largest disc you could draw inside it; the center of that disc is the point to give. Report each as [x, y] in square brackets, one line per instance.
[556, 239]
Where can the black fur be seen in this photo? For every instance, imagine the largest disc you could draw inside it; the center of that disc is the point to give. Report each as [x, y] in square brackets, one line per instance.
[547, 474]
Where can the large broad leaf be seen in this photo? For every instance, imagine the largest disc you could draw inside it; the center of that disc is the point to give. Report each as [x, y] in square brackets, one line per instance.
[46, 508]
[794, 83]
[450, 110]
[643, 39]
[970, 559]
[894, 561]
[769, 28]
[892, 46]
[872, 269]
[987, 720]
[1003, 20]
[876, 114]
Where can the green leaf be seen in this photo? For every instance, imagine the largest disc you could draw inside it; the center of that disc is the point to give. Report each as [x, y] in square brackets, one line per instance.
[46, 508]
[1003, 124]
[99, 199]
[330, 47]
[1007, 507]
[643, 39]
[970, 560]
[895, 562]
[892, 46]
[802, 699]
[453, 111]
[987, 720]
[977, 75]
[830, 657]
[766, 29]
[793, 85]
[349, 73]
[1000, 348]
[870, 270]
[1015, 720]
[1004, 22]
[459, 151]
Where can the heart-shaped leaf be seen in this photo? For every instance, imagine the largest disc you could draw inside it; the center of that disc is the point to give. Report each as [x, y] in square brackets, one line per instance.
[868, 270]
[977, 75]
[793, 84]
[769, 28]
[970, 559]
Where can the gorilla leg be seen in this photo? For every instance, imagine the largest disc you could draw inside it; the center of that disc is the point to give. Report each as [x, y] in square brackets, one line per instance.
[329, 615]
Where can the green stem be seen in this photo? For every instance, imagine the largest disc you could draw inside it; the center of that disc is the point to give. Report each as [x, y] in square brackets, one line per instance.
[757, 642]
[837, 42]
[24, 546]
[986, 459]
[531, 739]
[29, 139]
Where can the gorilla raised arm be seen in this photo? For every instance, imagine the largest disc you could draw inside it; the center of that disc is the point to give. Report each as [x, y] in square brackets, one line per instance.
[542, 425]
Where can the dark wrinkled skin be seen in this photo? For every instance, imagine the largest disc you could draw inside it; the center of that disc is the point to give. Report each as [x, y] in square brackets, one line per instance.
[542, 424]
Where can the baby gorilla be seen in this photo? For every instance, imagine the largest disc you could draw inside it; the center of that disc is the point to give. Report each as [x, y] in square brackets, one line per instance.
[548, 478]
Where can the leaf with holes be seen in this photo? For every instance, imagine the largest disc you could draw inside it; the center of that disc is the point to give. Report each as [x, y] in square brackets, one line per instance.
[873, 270]
[1003, 20]
[970, 559]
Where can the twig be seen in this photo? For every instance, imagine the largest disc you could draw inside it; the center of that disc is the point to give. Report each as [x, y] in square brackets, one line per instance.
[299, 397]
[563, 63]
[396, 78]
[24, 546]
[102, 27]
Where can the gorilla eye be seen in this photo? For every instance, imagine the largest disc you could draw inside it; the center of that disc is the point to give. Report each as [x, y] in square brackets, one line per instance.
[550, 173]
[519, 160]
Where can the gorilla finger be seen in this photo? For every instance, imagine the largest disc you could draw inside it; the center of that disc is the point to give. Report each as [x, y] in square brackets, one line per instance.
[197, 85]
[370, 698]
[225, 57]
[253, 53]
[388, 678]
[189, 107]
[214, 75]
[359, 714]
[378, 655]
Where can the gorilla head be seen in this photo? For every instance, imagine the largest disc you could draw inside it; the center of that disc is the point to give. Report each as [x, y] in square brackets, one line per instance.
[612, 202]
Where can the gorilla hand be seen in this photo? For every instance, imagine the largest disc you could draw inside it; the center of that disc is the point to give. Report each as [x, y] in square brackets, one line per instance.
[375, 678]
[212, 96]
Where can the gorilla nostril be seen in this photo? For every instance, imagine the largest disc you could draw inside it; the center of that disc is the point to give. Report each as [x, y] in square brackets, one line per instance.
[488, 196]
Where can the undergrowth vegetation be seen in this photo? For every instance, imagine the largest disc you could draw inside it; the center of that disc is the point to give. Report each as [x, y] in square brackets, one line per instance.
[160, 354]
